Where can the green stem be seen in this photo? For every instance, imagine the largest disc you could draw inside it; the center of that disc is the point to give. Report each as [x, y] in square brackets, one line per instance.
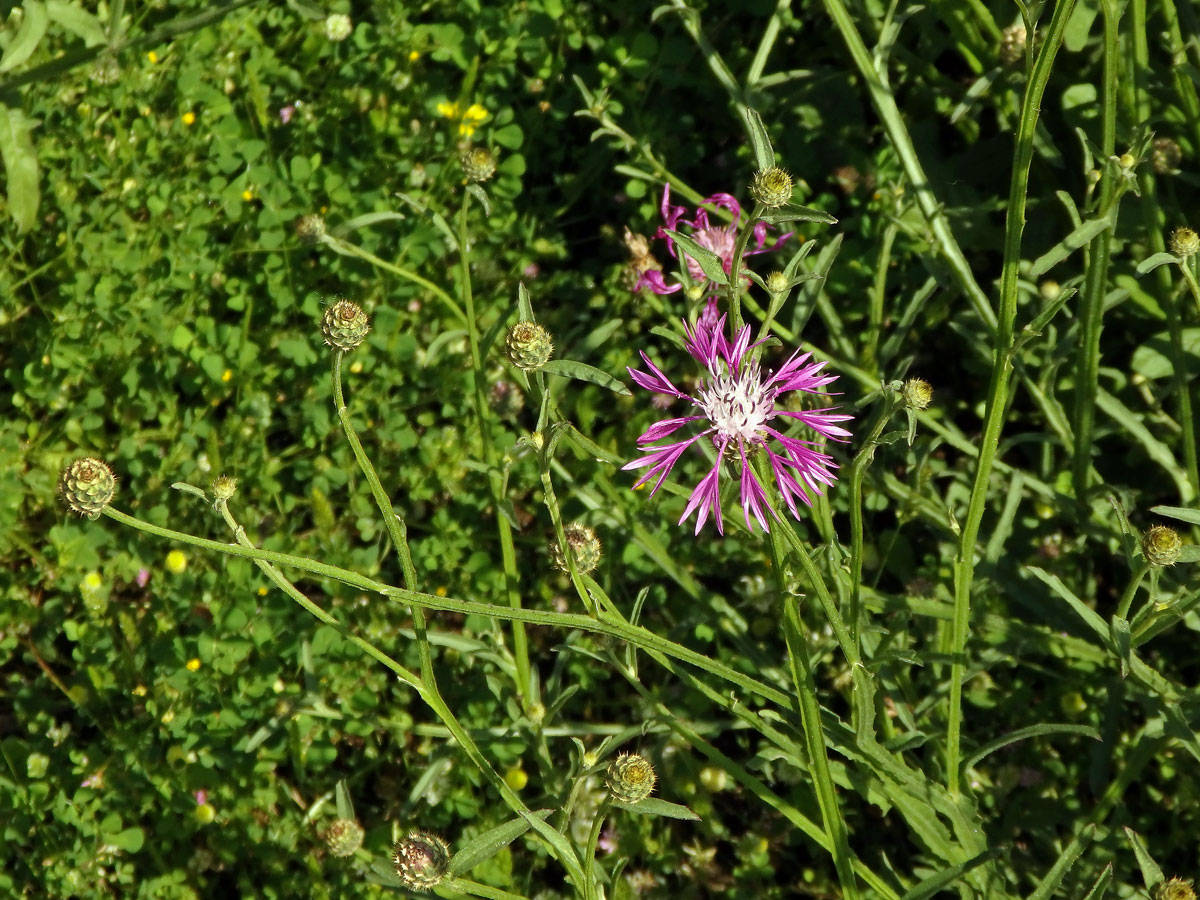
[766, 43]
[964, 567]
[508, 554]
[1131, 589]
[735, 292]
[800, 666]
[348, 249]
[877, 295]
[1091, 309]
[1185, 267]
[589, 851]
[396, 528]
[932, 208]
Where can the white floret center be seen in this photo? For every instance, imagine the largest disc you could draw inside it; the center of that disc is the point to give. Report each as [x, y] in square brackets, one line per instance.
[738, 405]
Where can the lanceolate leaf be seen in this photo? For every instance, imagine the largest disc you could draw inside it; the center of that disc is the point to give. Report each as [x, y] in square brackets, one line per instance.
[709, 262]
[20, 166]
[491, 842]
[568, 368]
[764, 155]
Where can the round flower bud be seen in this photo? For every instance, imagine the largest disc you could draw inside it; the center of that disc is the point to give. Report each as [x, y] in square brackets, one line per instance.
[310, 229]
[1174, 889]
[1162, 545]
[87, 486]
[344, 837]
[1184, 242]
[338, 26]
[478, 164]
[714, 779]
[224, 487]
[1012, 44]
[422, 860]
[630, 778]
[771, 187]
[917, 392]
[345, 325]
[776, 282]
[584, 545]
[1165, 156]
[1127, 160]
[529, 345]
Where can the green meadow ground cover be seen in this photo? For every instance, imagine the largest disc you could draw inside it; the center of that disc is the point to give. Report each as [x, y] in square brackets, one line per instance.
[351, 299]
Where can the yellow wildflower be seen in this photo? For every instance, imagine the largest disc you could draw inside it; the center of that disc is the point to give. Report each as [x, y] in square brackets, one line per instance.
[139, 691]
[227, 375]
[176, 562]
[189, 118]
[413, 55]
[193, 664]
[152, 56]
[247, 195]
[448, 110]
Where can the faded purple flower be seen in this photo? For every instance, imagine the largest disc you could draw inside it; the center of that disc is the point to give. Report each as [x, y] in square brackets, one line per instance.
[201, 797]
[143, 577]
[737, 402]
[720, 239]
[286, 113]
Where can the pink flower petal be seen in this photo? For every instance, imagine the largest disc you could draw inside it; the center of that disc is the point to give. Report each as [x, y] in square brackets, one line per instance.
[706, 497]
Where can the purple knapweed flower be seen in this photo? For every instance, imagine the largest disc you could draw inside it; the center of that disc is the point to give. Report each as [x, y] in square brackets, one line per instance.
[720, 239]
[737, 402]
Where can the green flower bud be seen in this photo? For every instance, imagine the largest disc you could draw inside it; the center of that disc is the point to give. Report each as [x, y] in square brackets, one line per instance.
[338, 26]
[1174, 889]
[345, 325]
[1185, 242]
[478, 164]
[776, 282]
[630, 778]
[529, 345]
[344, 837]
[422, 860]
[87, 486]
[310, 229]
[771, 187]
[1162, 545]
[1012, 44]
[584, 545]
[224, 487]
[916, 393]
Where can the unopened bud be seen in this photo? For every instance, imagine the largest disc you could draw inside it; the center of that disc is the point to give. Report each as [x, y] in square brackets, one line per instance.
[422, 860]
[344, 837]
[345, 325]
[630, 778]
[917, 392]
[1165, 156]
[776, 282]
[1162, 545]
[584, 546]
[478, 164]
[529, 345]
[1185, 242]
[1174, 889]
[224, 487]
[771, 187]
[87, 486]
[1012, 44]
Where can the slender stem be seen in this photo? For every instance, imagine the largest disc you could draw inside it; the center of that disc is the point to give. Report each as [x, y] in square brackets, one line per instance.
[508, 553]
[589, 850]
[348, 249]
[964, 567]
[800, 666]
[1185, 267]
[396, 528]
[877, 295]
[735, 292]
[1131, 589]
[931, 207]
[1091, 309]
[766, 43]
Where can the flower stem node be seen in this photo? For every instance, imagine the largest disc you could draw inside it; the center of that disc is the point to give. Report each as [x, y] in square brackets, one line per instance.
[630, 778]
[1174, 889]
[1162, 545]
[345, 325]
[87, 486]
[529, 346]
[584, 546]
[917, 392]
[310, 229]
[1185, 242]
[478, 164]
[422, 860]
[771, 187]
[344, 837]
[224, 488]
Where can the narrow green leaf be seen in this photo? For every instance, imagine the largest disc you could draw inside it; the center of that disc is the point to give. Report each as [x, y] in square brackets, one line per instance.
[1155, 448]
[1151, 873]
[486, 845]
[1042, 319]
[345, 805]
[481, 195]
[569, 368]
[1068, 245]
[1101, 886]
[1150, 263]
[33, 26]
[524, 307]
[652, 806]
[1182, 513]
[1022, 734]
[20, 165]
[189, 489]
[1189, 553]
[708, 261]
[792, 212]
[366, 220]
[433, 216]
[1090, 617]
[1121, 641]
[936, 882]
[78, 21]
[764, 154]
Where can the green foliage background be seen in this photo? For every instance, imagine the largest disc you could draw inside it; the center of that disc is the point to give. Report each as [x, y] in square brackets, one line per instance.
[158, 311]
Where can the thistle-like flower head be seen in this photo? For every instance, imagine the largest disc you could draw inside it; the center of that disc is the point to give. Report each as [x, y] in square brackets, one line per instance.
[737, 410]
[422, 860]
[87, 486]
[630, 778]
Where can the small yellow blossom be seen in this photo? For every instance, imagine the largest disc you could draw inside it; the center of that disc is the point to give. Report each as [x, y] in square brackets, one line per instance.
[448, 110]
[356, 367]
[475, 113]
[168, 717]
[247, 195]
[152, 56]
[413, 55]
[193, 664]
[139, 691]
[176, 562]
[189, 118]
[262, 592]
[93, 581]
[441, 591]
[227, 375]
